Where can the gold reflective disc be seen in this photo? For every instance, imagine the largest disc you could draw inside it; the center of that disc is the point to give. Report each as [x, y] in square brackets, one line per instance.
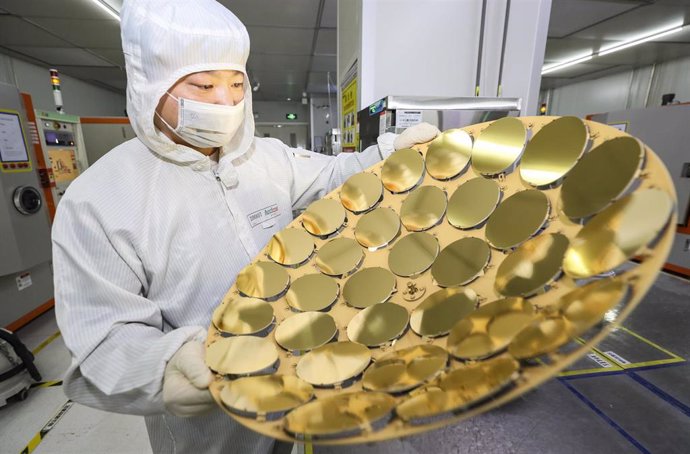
[601, 177]
[290, 247]
[228, 355]
[518, 218]
[377, 228]
[305, 331]
[459, 389]
[473, 202]
[378, 324]
[243, 316]
[423, 208]
[437, 314]
[586, 306]
[532, 266]
[339, 257]
[323, 217]
[448, 154]
[553, 151]
[263, 280]
[266, 395]
[541, 337]
[403, 170]
[312, 292]
[368, 287]
[343, 415]
[618, 233]
[461, 262]
[413, 254]
[489, 329]
[498, 146]
[361, 192]
[405, 369]
[333, 363]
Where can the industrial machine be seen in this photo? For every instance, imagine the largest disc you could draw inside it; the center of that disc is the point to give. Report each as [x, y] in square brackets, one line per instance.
[26, 280]
[62, 142]
[665, 129]
[396, 113]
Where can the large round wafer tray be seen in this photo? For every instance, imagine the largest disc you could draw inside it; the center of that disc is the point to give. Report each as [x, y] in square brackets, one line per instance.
[443, 282]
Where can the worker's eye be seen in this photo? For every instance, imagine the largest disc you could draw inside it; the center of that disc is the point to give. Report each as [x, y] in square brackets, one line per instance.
[204, 86]
[238, 85]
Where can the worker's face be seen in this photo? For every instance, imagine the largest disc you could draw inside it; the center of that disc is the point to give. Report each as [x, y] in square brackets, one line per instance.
[214, 87]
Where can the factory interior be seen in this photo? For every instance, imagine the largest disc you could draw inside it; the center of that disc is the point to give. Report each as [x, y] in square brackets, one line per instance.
[570, 118]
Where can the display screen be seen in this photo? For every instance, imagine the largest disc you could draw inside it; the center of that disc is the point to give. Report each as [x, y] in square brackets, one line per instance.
[58, 138]
[12, 145]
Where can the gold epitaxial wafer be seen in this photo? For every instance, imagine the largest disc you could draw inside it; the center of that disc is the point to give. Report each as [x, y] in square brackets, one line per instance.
[423, 208]
[377, 228]
[269, 396]
[473, 202]
[553, 151]
[333, 363]
[405, 369]
[437, 314]
[369, 286]
[290, 247]
[413, 254]
[602, 176]
[517, 218]
[449, 154]
[264, 280]
[532, 266]
[312, 292]
[361, 192]
[378, 324]
[403, 170]
[241, 315]
[305, 331]
[323, 217]
[461, 262]
[499, 146]
[229, 356]
[340, 416]
[618, 233]
[339, 257]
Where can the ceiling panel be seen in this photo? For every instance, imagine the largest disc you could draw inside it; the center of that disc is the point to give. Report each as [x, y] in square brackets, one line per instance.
[638, 21]
[278, 92]
[329, 17]
[258, 61]
[62, 56]
[326, 42]
[85, 33]
[66, 9]
[281, 41]
[16, 32]
[291, 13]
[115, 56]
[318, 82]
[92, 72]
[324, 63]
[280, 77]
[568, 16]
[646, 54]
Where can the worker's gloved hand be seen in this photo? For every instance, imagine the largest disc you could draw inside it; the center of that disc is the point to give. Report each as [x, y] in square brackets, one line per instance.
[186, 381]
[421, 133]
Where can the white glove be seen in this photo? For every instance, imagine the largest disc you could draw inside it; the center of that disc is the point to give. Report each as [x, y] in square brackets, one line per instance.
[421, 133]
[186, 381]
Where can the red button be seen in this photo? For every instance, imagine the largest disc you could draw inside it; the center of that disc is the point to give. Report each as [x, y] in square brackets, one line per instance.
[4, 166]
[13, 166]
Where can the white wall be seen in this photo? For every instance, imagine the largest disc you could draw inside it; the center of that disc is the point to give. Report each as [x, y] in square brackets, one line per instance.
[79, 97]
[321, 122]
[632, 89]
[274, 112]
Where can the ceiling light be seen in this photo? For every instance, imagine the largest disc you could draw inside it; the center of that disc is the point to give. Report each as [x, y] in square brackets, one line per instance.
[613, 48]
[288, 99]
[639, 40]
[107, 8]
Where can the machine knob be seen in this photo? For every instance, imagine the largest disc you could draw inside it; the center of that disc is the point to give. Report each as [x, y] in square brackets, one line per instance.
[27, 200]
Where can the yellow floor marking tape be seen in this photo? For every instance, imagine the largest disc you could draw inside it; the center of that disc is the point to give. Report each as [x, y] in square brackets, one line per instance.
[36, 440]
[47, 384]
[626, 365]
[45, 343]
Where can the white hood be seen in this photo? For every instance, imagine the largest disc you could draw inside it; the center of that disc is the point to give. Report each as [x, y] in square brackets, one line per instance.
[164, 40]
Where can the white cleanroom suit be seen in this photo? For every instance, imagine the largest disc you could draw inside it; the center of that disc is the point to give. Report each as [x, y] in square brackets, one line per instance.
[148, 240]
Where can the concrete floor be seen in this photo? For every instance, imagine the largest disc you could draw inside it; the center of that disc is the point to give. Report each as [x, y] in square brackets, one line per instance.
[630, 395]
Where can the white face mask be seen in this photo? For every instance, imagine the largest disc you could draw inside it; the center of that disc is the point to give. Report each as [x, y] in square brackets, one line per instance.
[206, 125]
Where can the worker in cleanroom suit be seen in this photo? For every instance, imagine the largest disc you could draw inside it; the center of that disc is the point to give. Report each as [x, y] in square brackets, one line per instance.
[148, 240]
